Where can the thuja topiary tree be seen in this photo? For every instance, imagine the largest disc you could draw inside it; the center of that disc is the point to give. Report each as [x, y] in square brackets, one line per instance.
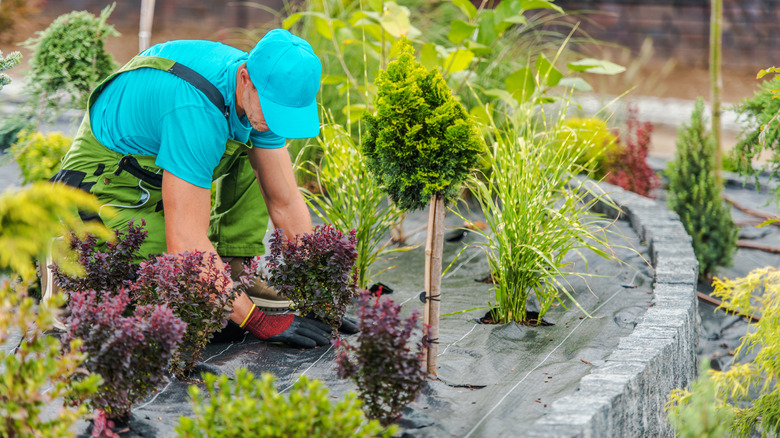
[420, 145]
[694, 193]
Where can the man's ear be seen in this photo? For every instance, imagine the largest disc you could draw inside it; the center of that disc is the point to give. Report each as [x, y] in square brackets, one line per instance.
[243, 75]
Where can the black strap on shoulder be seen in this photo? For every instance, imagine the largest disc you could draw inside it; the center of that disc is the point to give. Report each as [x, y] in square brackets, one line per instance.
[198, 81]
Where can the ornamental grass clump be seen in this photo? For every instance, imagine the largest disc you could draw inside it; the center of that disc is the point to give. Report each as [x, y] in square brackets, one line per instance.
[385, 364]
[748, 393]
[246, 406]
[695, 195]
[537, 212]
[350, 199]
[130, 347]
[316, 271]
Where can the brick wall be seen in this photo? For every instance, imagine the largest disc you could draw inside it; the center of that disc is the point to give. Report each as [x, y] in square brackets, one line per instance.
[680, 28]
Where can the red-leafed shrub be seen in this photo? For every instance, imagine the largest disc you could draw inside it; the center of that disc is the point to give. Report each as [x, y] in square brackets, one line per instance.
[129, 348]
[627, 165]
[107, 269]
[385, 365]
[316, 271]
[193, 286]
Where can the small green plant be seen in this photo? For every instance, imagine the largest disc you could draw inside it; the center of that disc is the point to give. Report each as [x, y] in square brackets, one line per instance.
[386, 364]
[747, 395]
[694, 194]
[38, 155]
[39, 371]
[68, 59]
[695, 412]
[245, 406]
[350, 199]
[316, 271]
[595, 140]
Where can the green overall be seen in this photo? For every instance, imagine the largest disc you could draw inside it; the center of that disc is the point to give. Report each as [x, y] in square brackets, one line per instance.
[132, 184]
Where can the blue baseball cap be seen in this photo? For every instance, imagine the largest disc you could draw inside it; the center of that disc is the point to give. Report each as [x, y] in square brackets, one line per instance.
[286, 73]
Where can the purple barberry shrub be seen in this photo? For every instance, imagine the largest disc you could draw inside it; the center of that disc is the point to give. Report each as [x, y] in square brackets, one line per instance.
[106, 269]
[197, 290]
[130, 348]
[385, 365]
[316, 271]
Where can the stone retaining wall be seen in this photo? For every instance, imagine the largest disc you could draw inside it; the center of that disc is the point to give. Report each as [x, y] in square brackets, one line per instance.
[625, 397]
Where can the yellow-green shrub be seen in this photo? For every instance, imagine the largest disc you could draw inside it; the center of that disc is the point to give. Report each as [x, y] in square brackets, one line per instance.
[39, 155]
[593, 138]
[245, 406]
[39, 371]
[747, 395]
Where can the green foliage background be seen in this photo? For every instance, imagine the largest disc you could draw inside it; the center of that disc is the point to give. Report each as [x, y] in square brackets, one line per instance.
[694, 193]
[421, 142]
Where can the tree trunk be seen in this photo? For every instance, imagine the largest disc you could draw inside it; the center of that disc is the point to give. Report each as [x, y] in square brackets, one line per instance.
[145, 28]
[434, 247]
[716, 79]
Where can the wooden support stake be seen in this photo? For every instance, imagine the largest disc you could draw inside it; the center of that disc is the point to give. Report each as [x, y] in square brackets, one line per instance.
[434, 248]
[145, 29]
[750, 211]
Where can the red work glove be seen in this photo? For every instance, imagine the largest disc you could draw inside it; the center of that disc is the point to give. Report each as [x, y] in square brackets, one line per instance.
[290, 329]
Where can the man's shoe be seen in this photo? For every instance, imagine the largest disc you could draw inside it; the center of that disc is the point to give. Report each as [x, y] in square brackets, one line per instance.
[263, 295]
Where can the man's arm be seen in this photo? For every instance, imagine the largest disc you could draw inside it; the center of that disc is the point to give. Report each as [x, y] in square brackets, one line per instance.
[187, 211]
[285, 203]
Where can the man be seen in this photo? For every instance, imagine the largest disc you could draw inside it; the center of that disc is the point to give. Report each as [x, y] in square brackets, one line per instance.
[185, 113]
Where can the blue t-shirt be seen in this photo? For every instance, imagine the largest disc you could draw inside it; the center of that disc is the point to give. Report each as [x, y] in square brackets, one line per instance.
[152, 112]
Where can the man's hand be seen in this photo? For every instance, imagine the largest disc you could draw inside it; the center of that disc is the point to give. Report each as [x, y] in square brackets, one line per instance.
[348, 326]
[289, 329]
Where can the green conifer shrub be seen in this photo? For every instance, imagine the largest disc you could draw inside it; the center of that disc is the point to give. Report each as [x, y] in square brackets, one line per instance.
[421, 142]
[245, 406]
[68, 60]
[694, 194]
